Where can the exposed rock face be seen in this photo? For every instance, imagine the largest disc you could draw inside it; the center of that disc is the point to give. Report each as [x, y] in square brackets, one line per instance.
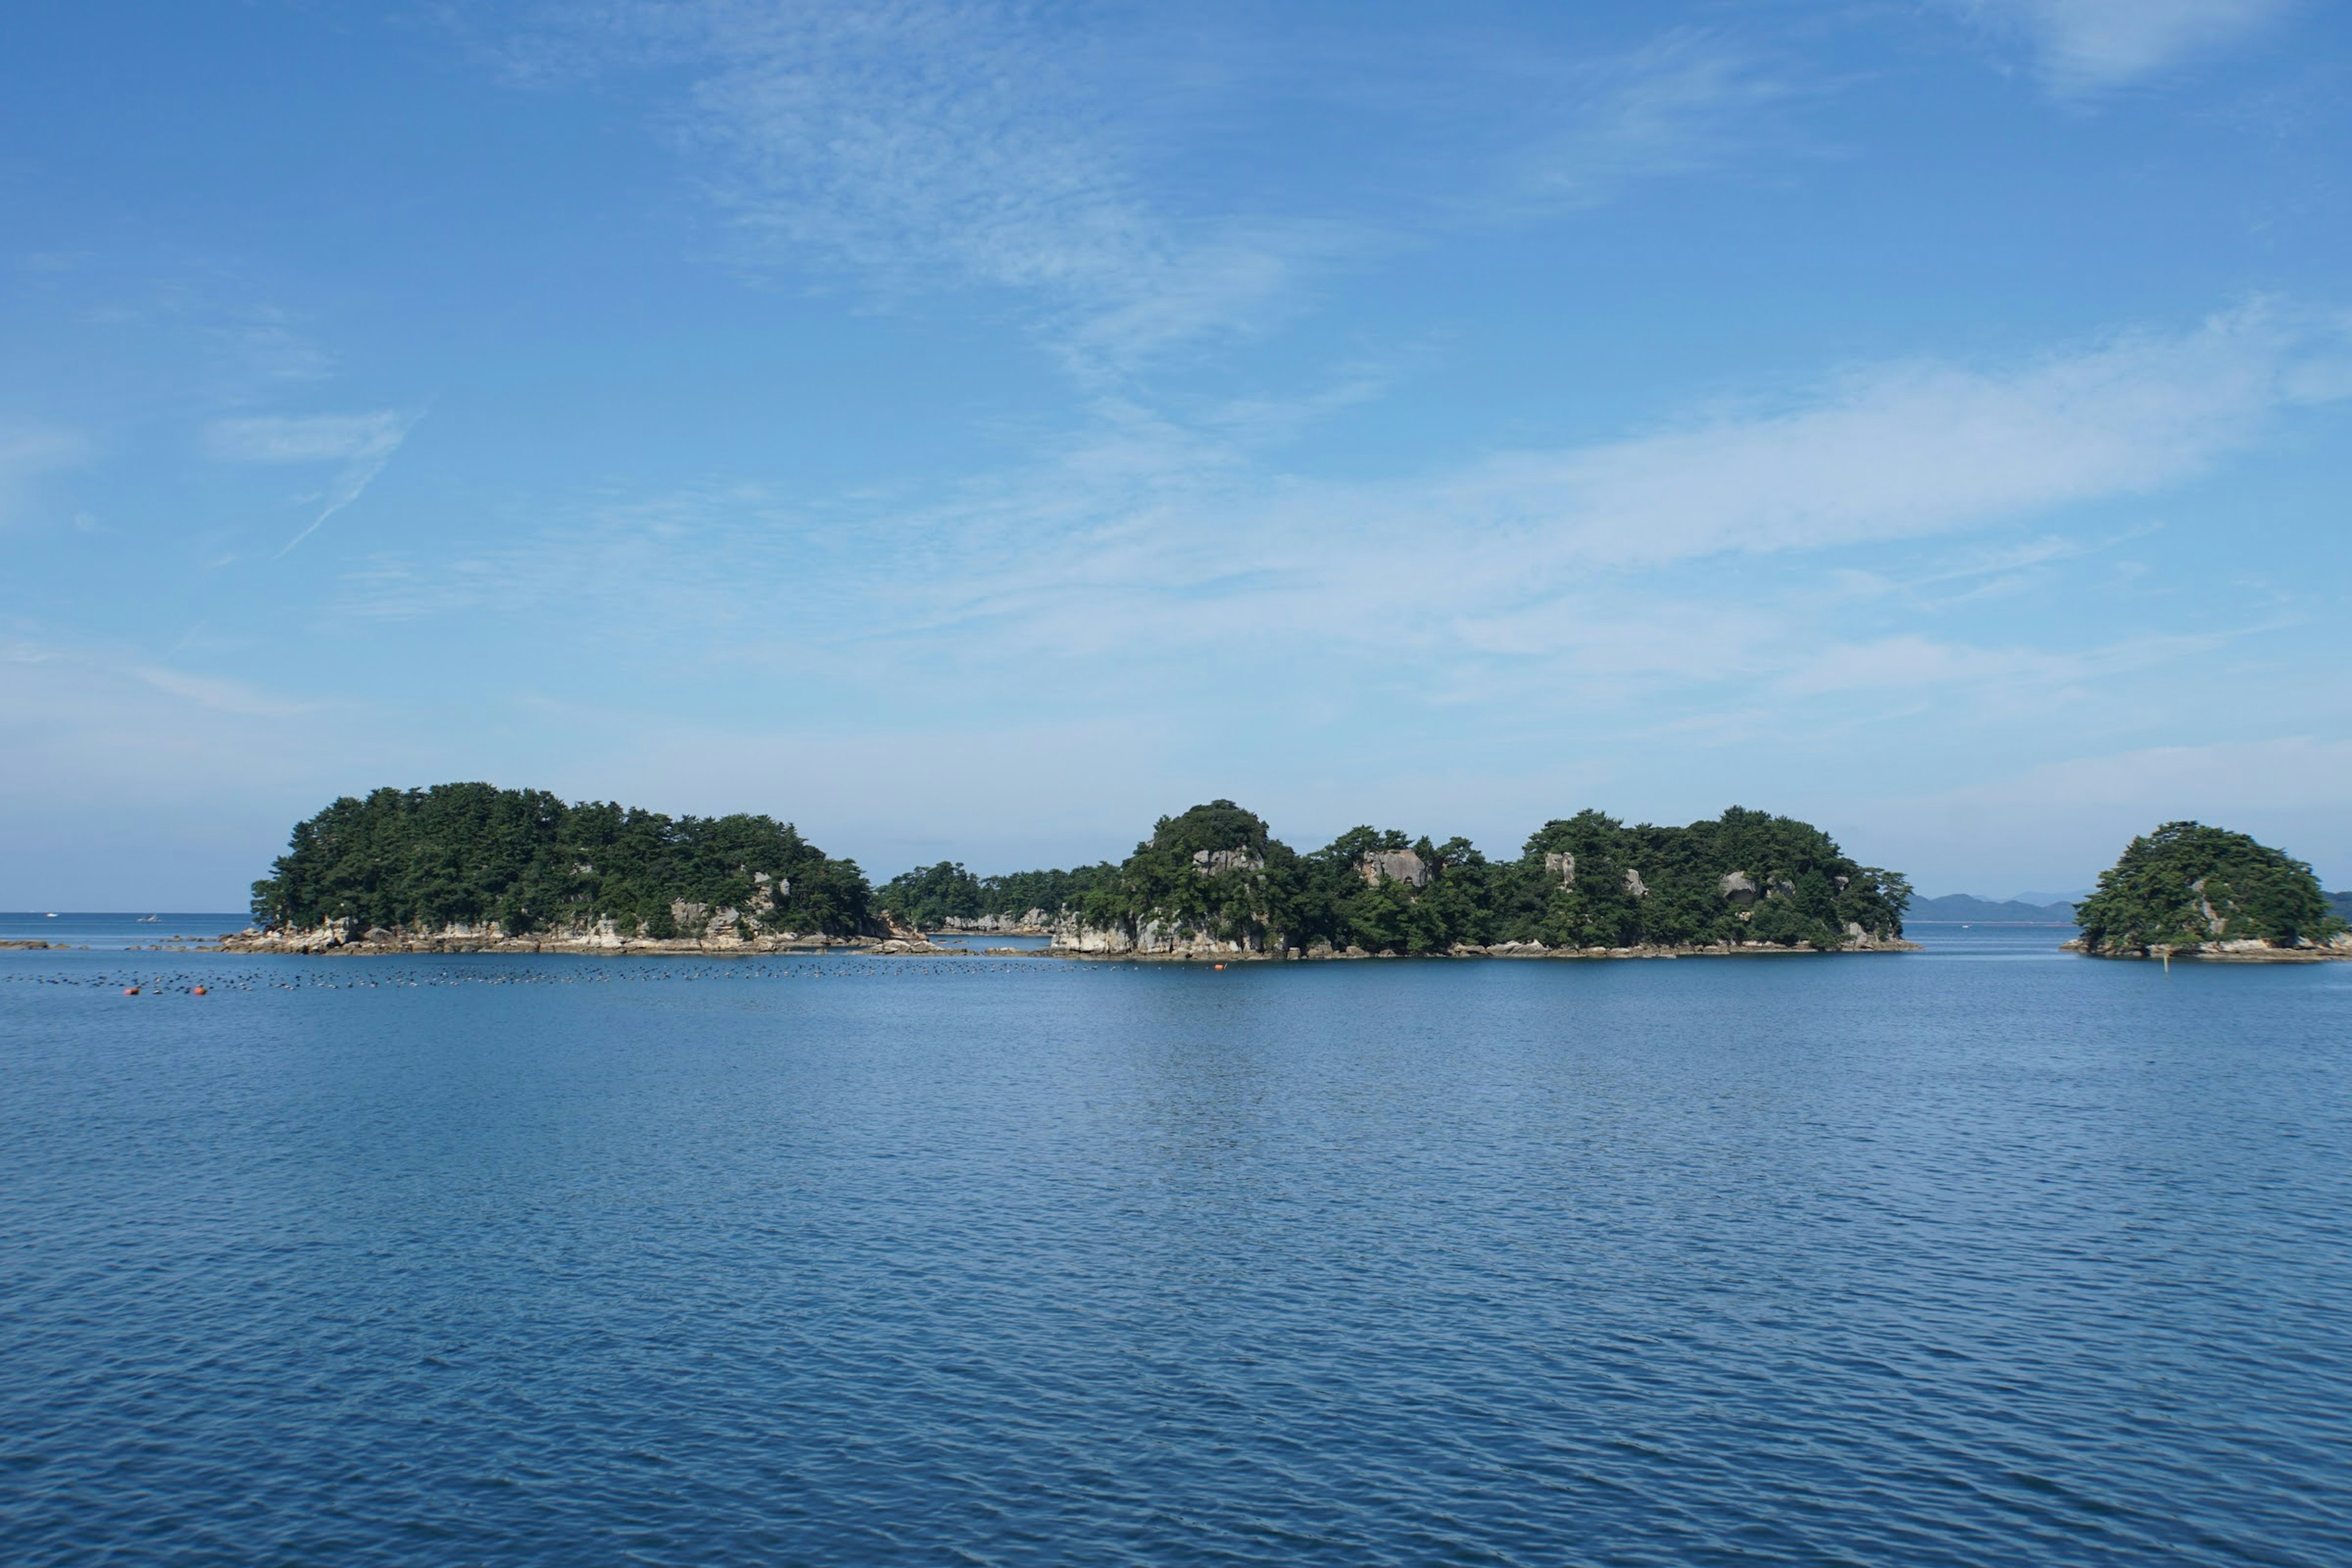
[1561, 863]
[2241, 950]
[1737, 888]
[1395, 866]
[1210, 862]
[1635, 885]
[1034, 923]
[704, 921]
[1152, 939]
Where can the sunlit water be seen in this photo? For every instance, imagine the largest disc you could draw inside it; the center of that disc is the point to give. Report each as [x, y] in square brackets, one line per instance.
[1985, 1255]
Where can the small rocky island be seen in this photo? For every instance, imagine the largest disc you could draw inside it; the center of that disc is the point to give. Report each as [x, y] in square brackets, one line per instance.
[471, 867]
[2188, 890]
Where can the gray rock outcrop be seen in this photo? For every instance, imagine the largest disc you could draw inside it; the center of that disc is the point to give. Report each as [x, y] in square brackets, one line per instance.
[1393, 866]
[1212, 862]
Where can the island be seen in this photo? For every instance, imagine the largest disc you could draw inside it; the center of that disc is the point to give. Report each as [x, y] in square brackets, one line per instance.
[473, 868]
[1214, 882]
[2188, 890]
[470, 867]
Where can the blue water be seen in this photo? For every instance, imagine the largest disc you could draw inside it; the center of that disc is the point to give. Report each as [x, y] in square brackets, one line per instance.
[115, 931]
[1988, 1254]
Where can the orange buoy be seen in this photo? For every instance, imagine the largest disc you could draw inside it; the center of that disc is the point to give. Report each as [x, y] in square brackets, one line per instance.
[1221, 967]
[200, 990]
[130, 991]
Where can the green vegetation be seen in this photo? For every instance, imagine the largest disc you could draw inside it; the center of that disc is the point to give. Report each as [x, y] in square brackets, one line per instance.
[2187, 884]
[1583, 881]
[471, 853]
[929, 896]
[523, 860]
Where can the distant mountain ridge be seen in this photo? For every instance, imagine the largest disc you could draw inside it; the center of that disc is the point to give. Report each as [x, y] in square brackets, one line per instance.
[2002, 912]
[2014, 912]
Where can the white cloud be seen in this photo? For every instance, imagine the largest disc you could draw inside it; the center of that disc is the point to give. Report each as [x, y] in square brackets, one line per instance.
[1146, 532]
[1176, 541]
[1917, 448]
[2086, 46]
[362, 443]
[308, 437]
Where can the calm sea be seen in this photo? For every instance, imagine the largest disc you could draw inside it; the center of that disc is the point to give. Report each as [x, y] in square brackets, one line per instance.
[1988, 1254]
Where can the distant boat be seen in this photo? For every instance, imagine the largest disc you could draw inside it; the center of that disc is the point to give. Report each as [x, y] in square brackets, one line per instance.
[148, 919]
[53, 914]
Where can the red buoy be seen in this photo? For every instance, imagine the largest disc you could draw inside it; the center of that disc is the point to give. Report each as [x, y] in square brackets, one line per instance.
[200, 990]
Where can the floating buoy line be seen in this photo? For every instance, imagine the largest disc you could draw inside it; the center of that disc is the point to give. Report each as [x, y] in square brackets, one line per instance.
[374, 974]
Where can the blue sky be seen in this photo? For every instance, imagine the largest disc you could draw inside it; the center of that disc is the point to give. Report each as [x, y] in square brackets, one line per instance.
[972, 430]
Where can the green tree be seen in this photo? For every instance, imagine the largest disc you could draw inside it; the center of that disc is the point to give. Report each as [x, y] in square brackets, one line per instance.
[472, 854]
[2187, 884]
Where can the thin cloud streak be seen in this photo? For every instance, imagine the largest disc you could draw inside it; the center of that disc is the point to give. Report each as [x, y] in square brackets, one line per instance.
[2087, 47]
[362, 443]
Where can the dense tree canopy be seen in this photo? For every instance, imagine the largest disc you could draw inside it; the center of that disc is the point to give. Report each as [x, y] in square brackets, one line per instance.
[472, 854]
[1587, 881]
[2187, 884]
[930, 898]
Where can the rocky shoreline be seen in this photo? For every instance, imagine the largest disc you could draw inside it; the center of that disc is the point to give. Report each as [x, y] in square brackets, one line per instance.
[604, 943]
[1204, 951]
[2336, 949]
[1150, 946]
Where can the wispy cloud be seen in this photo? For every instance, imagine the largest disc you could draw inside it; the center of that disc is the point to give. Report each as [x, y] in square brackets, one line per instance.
[29, 450]
[1864, 459]
[2089, 46]
[924, 144]
[1180, 538]
[1911, 662]
[2059, 823]
[219, 694]
[359, 445]
[1915, 448]
[1685, 101]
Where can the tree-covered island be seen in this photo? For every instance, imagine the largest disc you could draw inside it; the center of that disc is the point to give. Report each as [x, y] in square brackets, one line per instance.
[472, 865]
[2188, 890]
[1214, 880]
[470, 861]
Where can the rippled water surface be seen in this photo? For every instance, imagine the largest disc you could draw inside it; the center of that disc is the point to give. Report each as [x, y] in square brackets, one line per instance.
[1986, 1255]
